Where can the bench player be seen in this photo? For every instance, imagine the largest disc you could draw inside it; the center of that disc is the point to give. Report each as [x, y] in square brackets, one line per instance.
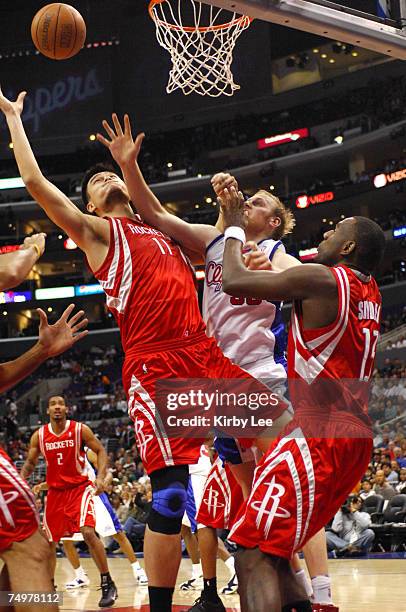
[310, 470]
[150, 290]
[69, 504]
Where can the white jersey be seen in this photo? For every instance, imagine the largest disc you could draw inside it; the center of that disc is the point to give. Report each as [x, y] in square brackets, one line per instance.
[249, 331]
[203, 466]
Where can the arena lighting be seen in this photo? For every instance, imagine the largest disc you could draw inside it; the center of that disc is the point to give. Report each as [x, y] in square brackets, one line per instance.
[304, 201]
[9, 248]
[88, 289]
[399, 232]
[69, 244]
[339, 139]
[381, 180]
[200, 274]
[308, 254]
[11, 183]
[278, 139]
[54, 293]
[13, 297]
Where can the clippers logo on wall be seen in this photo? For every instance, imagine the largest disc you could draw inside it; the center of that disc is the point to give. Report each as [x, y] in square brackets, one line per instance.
[304, 201]
[63, 99]
[278, 139]
[381, 180]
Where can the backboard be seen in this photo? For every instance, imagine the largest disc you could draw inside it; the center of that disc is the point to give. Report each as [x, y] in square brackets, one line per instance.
[382, 30]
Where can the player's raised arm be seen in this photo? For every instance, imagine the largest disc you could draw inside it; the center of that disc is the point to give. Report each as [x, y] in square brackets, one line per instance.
[53, 340]
[32, 458]
[83, 229]
[90, 440]
[299, 282]
[15, 266]
[125, 150]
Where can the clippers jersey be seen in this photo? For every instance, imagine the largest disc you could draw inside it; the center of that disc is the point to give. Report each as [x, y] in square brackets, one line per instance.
[248, 330]
[64, 456]
[149, 285]
[346, 348]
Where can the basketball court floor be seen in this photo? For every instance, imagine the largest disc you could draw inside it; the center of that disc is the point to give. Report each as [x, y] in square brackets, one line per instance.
[359, 586]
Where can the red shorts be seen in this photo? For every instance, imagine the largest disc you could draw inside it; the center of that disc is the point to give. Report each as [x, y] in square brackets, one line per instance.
[222, 500]
[67, 510]
[198, 357]
[18, 514]
[298, 486]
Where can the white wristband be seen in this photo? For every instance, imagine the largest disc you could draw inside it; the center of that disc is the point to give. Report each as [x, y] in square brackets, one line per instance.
[235, 232]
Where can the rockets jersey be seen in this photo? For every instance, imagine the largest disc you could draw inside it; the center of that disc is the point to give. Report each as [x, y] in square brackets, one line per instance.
[247, 330]
[345, 349]
[149, 284]
[64, 456]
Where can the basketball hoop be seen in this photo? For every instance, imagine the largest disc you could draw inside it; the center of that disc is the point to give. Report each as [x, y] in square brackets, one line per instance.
[202, 50]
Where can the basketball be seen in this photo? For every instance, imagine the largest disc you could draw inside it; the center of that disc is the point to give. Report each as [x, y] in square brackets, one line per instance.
[58, 31]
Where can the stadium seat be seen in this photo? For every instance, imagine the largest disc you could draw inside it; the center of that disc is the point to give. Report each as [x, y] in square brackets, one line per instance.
[395, 513]
[374, 506]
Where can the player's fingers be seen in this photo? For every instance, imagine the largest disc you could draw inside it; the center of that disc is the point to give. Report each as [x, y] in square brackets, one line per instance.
[43, 319]
[66, 312]
[79, 325]
[252, 245]
[21, 96]
[80, 336]
[78, 315]
[117, 124]
[139, 139]
[127, 126]
[103, 140]
[108, 129]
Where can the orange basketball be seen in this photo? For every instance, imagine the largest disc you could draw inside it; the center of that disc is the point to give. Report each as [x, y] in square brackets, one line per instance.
[58, 31]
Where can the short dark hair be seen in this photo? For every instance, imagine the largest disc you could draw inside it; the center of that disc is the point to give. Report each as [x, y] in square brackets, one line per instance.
[51, 395]
[102, 167]
[370, 244]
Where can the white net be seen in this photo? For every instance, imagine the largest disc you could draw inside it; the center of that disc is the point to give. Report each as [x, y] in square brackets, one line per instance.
[200, 40]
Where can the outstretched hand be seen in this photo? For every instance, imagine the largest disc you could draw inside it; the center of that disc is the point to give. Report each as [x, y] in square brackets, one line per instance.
[62, 335]
[123, 148]
[9, 107]
[232, 207]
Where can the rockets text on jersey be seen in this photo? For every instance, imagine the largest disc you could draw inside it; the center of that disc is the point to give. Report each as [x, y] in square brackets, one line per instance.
[249, 331]
[64, 455]
[149, 284]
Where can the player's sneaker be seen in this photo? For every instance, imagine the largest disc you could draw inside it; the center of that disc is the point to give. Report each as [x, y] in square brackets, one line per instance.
[109, 595]
[202, 605]
[324, 608]
[141, 577]
[231, 587]
[78, 583]
[194, 584]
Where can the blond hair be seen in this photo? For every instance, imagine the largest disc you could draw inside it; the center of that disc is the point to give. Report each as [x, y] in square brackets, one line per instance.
[285, 215]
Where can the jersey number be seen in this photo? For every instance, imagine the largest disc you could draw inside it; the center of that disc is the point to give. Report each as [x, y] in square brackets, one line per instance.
[59, 458]
[239, 301]
[369, 351]
[162, 244]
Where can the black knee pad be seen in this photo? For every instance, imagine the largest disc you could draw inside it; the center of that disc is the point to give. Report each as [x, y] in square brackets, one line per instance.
[298, 606]
[169, 487]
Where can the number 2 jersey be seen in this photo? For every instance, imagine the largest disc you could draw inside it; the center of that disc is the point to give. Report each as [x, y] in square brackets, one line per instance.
[329, 367]
[64, 456]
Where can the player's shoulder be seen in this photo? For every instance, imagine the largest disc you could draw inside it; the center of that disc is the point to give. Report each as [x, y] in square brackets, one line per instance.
[270, 246]
[216, 242]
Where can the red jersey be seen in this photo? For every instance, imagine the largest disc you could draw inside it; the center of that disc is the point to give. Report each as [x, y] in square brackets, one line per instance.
[149, 285]
[64, 456]
[342, 351]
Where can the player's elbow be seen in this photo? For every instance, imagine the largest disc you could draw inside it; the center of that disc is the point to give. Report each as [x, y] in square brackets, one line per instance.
[11, 278]
[230, 285]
